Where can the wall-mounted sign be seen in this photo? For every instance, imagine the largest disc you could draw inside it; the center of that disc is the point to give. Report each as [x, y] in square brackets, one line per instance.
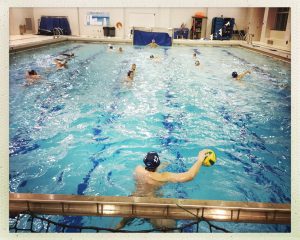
[97, 19]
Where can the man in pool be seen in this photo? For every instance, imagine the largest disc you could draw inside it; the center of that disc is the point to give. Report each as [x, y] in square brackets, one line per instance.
[68, 55]
[32, 77]
[148, 180]
[239, 76]
[133, 67]
[153, 44]
[130, 75]
[110, 47]
[60, 64]
[156, 59]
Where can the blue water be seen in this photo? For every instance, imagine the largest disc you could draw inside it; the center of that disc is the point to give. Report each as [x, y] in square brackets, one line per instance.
[83, 131]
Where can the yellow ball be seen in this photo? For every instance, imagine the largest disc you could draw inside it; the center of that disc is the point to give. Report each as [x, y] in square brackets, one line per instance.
[210, 158]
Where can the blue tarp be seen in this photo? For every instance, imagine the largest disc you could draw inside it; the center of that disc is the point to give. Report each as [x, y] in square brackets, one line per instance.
[47, 25]
[144, 38]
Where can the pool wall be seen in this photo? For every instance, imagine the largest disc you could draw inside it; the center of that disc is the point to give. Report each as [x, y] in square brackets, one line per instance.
[276, 53]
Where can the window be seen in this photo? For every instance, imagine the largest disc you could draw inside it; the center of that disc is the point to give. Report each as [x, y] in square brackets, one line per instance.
[281, 19]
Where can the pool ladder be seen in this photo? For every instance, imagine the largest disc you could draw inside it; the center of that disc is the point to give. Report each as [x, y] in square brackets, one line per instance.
[248, 38]
[57, 32]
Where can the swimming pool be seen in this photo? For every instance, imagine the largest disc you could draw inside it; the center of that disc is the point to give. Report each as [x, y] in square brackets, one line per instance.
[83, 131]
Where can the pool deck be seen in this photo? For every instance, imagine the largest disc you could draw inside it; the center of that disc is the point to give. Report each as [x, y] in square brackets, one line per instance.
[21, 42]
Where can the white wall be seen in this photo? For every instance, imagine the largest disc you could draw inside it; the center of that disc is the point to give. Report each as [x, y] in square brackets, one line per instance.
[259, 21]
[270, 24]
[129, 12]
[255, 22]
[183, 15]
[163, 17]
[279, 38]
[287, 36]
[115, 14]
[17, 17]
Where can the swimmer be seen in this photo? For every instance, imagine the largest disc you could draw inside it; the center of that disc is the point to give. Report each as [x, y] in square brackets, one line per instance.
[148, 181]
[197, 63]
[32, 77]
[153, 44]
[133, 67]
[120, 50]
[156, 59]
[194, 55]
[239, 76]
[69, 55]
[110, 47]
[130, 75]
[60, 64]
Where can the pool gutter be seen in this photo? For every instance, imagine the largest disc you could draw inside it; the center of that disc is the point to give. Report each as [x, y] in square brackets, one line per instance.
[147, 207]
[271, 51]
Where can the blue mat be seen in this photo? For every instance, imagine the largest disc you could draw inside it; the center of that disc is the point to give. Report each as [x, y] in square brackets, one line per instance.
[144, 38]
[47, 25]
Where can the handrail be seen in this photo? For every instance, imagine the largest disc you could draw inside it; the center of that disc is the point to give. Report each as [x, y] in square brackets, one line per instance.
[146, 207]
[248, 38]
[56, 32]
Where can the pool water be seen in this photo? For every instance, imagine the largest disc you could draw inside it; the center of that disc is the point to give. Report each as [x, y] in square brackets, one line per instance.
[83, 130]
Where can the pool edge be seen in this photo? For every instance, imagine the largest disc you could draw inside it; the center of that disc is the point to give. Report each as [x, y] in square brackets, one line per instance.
[266, 50]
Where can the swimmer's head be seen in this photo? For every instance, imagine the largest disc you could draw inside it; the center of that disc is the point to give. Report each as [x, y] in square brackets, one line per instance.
[32, 72]
[151, 56]
[151, 161]
[197, 63]
[120, 49]
[130, 74]
[133, 66]
[194, 55]
[111, 47]
[234, 74]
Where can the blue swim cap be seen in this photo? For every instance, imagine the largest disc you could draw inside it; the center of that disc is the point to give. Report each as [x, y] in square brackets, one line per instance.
[151, 161]
[234, 74]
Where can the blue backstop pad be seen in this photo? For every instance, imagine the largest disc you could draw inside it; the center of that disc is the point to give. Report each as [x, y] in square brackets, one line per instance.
[47, 25]
[144, 38]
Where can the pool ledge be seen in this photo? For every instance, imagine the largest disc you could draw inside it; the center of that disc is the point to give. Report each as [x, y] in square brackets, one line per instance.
[147, 207]
[29, 43]
[18, 43]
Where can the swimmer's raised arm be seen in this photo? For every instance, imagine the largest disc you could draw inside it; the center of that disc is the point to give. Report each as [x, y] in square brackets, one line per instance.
[162, 166]
[181, 177]
[240, 76]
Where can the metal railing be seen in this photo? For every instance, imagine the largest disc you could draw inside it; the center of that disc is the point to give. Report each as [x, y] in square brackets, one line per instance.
[144, 207]
[57, 32]
[248, 37]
